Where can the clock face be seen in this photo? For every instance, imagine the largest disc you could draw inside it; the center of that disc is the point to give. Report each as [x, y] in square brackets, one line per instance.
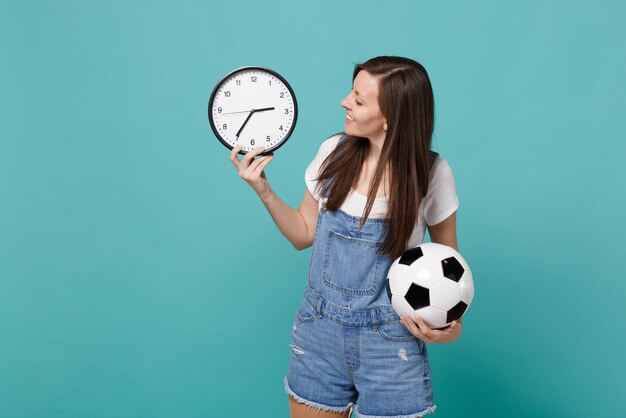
[253, 107]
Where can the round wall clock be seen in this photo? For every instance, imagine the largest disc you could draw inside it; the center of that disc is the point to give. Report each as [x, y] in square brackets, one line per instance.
[253, 107]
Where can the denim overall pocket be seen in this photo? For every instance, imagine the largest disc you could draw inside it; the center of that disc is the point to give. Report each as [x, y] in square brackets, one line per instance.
[396, 331]
[305, 312]
[351, 265]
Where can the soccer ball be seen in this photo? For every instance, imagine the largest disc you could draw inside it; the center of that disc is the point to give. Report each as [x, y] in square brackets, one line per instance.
[433, 281]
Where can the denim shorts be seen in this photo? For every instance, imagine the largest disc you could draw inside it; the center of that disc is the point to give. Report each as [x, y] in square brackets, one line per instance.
[363, 360]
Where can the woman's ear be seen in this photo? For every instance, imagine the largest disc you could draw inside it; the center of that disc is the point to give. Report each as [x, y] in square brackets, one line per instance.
[385, 126]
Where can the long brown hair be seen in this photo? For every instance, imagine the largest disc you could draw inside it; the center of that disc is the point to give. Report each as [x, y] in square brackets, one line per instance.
[407, 103]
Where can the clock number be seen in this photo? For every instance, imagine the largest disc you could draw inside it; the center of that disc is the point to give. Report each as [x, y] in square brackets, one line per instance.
[253, 78]
[227, 93]
[252, 142]
[238, 82]
[286, 111]
[282, 95]
[270, 82]
[281, 127]
[268, 138]
[219, 110]
[224, 126]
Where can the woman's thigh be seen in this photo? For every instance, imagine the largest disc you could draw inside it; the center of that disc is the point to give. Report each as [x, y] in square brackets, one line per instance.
[300, 410]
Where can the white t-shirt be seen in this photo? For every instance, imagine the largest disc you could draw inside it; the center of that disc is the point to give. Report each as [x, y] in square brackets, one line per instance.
[439, 203]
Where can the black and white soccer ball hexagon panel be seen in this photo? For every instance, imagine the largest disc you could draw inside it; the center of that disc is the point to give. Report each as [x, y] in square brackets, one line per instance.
[433, 281]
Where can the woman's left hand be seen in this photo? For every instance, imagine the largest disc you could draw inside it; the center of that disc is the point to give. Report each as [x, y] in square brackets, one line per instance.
[419, 329]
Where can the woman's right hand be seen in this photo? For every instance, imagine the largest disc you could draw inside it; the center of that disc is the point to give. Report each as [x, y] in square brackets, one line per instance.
[251, 170]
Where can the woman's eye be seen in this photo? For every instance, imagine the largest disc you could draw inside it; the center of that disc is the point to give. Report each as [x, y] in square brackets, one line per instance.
[359, 103]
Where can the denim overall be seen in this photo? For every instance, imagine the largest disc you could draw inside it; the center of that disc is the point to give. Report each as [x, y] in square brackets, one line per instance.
[347, 342]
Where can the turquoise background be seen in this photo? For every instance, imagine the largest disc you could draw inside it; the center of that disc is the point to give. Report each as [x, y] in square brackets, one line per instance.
[141, 277]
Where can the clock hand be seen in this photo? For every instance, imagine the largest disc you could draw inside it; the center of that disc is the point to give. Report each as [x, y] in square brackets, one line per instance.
[244, 123]
[230, 113]
[246, 111]
[248, 118]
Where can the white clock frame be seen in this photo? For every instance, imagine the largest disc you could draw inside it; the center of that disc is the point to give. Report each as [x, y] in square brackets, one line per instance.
[258, 104]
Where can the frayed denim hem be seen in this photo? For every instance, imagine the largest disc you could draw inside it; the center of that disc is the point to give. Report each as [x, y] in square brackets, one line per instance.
[315, 404]
[419, 414]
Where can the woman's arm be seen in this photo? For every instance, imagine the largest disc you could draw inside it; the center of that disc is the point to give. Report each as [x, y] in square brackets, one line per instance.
[298, 226]
[442, 233]
[445, 233]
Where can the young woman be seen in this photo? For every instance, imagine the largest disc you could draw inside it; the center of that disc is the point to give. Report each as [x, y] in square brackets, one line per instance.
[371, 193]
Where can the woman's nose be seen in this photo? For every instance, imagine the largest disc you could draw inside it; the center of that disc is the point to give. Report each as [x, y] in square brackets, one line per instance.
[344, 102]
